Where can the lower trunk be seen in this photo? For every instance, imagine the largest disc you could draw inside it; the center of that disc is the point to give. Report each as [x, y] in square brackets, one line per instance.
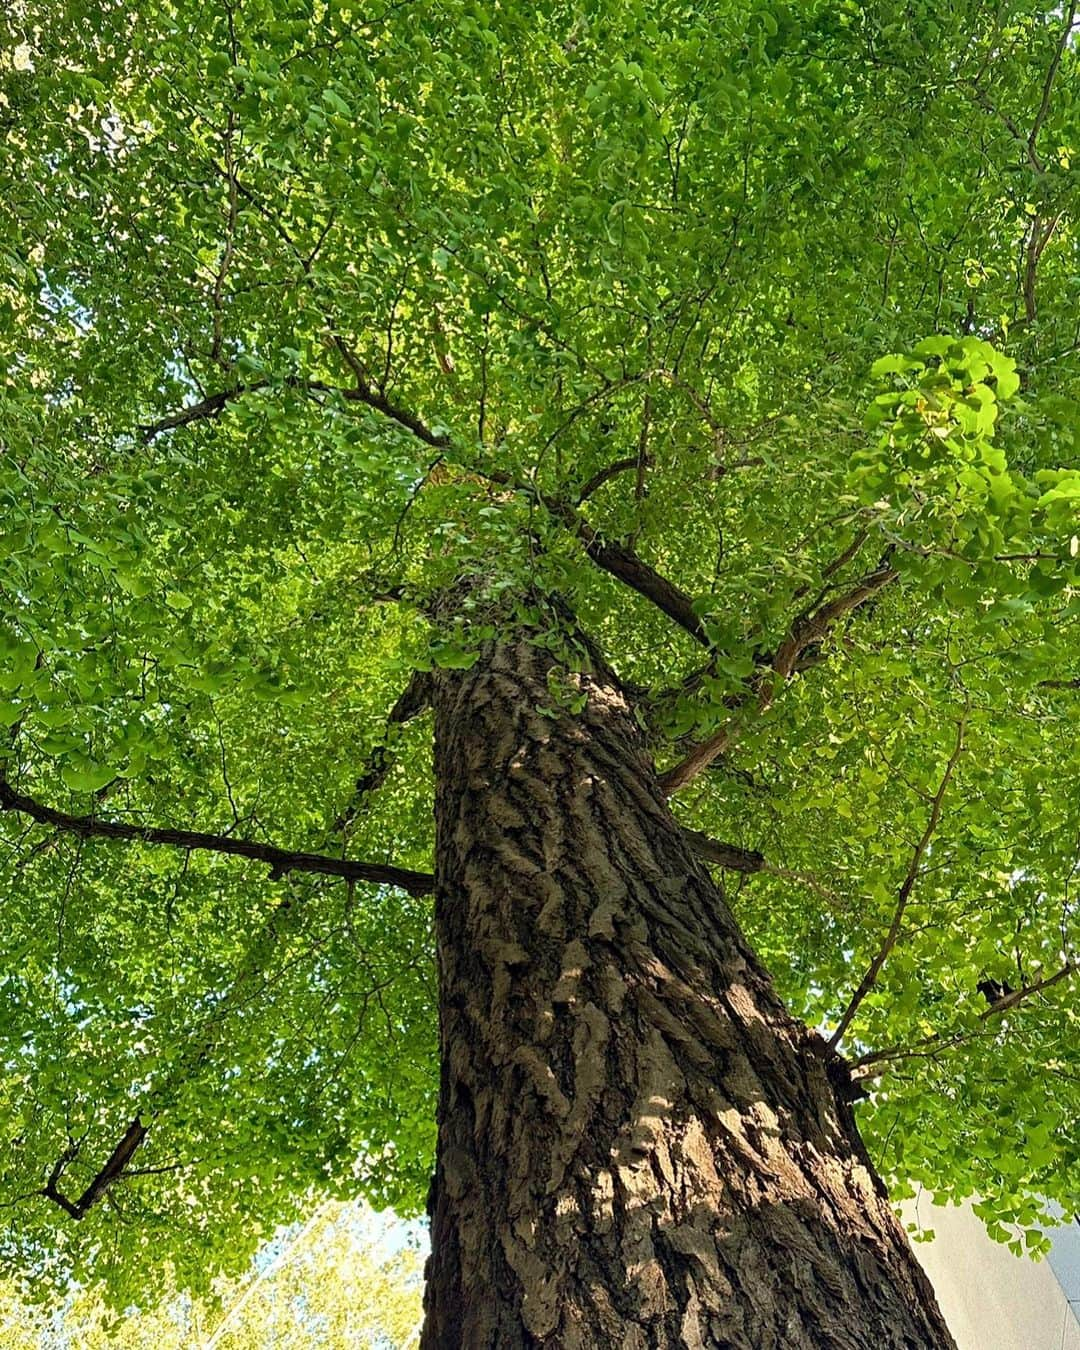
[637, 1147]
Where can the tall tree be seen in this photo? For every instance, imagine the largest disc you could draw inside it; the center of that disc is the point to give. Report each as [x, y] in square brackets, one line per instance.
[668, 413]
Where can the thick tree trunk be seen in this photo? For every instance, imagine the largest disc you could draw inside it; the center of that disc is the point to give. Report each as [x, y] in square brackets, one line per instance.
[638, 1147]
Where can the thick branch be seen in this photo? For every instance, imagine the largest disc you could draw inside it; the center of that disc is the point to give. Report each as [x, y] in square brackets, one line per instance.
[625, 565]
[280, 860]
[731, 856]
[114, 1168]
[605, 475]
[198, 412]
[736, 859]
[621, 562]
[931, 1046]
[808, 629]
[701, 756]
[903, 895]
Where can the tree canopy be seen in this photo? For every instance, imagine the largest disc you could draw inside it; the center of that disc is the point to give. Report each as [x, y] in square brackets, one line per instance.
[749, 331]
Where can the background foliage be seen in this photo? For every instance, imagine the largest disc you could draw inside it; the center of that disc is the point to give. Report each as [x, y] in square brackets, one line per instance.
[306, 309]
[344, 1278]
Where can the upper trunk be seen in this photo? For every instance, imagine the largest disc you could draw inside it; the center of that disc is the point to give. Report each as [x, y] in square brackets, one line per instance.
[638, 1147]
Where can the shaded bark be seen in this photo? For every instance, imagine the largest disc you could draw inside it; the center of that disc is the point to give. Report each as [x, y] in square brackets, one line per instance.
[638, 1147]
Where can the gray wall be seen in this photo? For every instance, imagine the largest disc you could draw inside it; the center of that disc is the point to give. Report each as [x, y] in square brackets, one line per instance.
[991, 1299]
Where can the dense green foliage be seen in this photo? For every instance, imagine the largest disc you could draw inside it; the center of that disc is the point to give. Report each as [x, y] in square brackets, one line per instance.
[306, 309]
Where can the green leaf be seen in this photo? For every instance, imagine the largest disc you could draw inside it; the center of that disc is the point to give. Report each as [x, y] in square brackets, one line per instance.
[335, 102]
[890, 365]
[83, 776]
[937, 345]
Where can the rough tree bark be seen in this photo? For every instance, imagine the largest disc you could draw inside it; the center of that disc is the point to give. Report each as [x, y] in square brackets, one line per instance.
[638, 1147]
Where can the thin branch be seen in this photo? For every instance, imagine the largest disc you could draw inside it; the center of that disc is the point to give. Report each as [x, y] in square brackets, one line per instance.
[412, 701]
[931, 1046]
[215, 404]
[840, 561]
[903, 895]
[230, 236]
[1038, 238]
[365, 391]
[281, 861]
[1013, 130]
[1025, 991]
[803, 879]
[198, 412]
[621, 562]
[642, 463]
[616, 559]
[1048, 84]
[807, 629]
[1041, 228]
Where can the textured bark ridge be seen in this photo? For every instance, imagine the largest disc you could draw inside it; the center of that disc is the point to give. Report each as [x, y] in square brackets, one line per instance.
[638, 1147]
